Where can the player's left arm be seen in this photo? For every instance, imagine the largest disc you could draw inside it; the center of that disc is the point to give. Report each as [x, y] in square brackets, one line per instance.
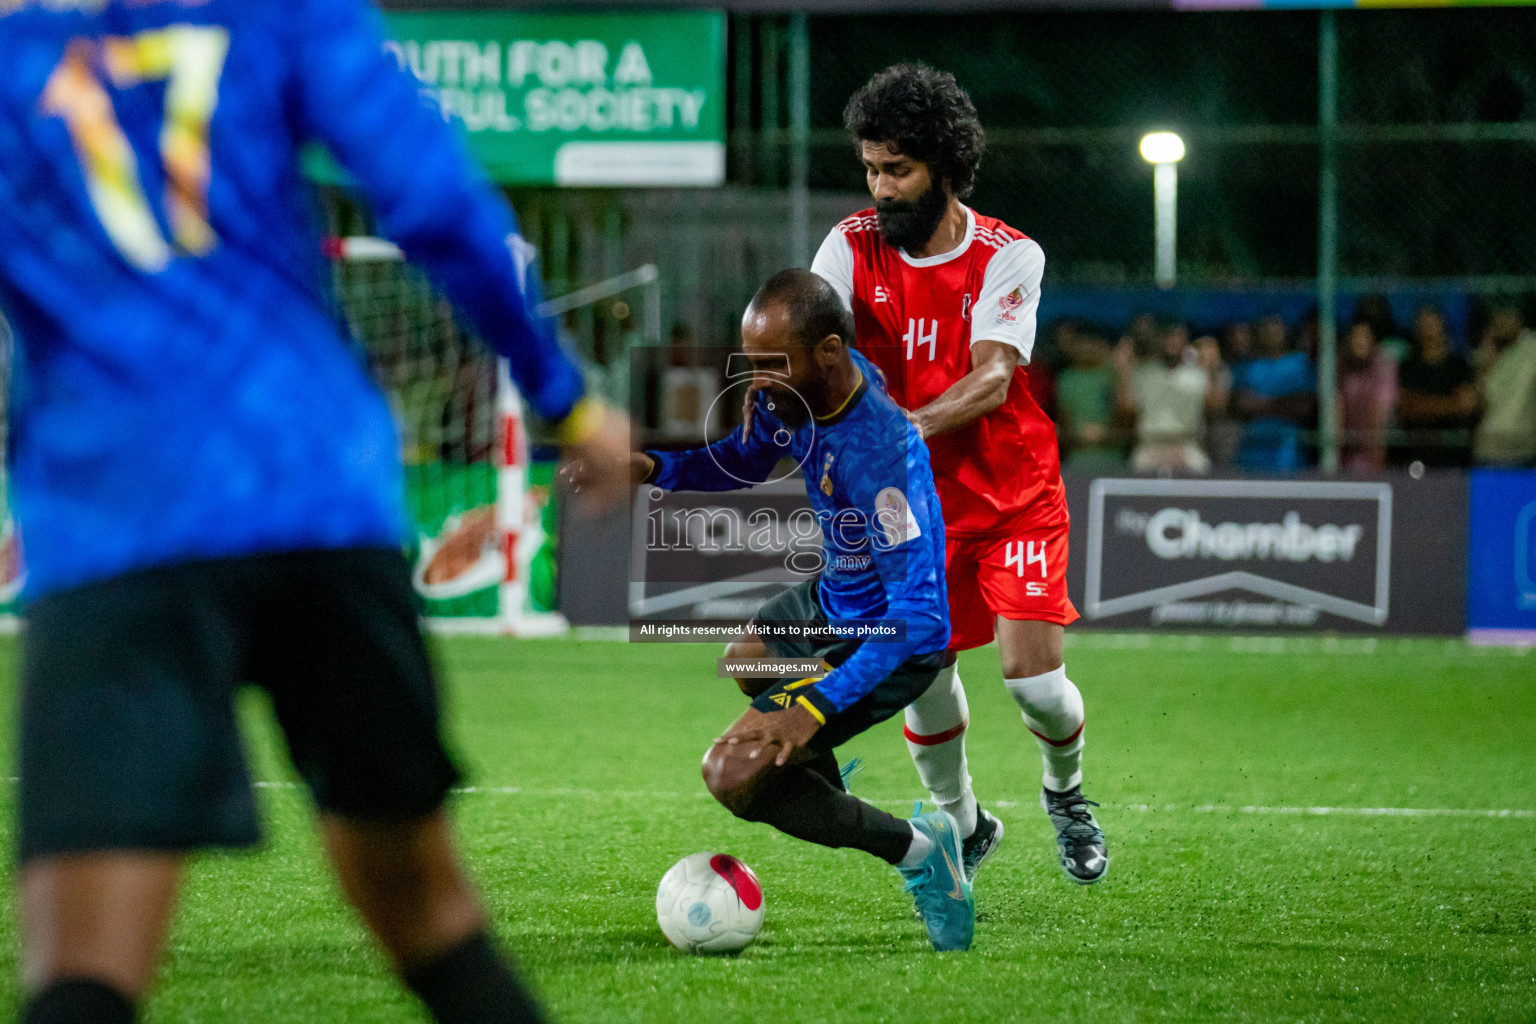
[1002, 339]
[740, 459]
[974, 395]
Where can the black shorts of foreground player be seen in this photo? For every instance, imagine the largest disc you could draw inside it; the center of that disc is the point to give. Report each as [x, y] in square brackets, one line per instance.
[131, 759]
[868, 479]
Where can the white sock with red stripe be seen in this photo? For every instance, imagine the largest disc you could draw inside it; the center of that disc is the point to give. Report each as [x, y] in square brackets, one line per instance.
[935, 730]
[1053, 710]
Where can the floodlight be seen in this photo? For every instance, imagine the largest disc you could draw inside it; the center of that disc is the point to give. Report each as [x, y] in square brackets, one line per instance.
[1162, 148]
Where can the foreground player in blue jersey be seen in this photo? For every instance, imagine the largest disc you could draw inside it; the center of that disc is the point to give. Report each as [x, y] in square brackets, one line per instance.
[867, 476]
[208, 481]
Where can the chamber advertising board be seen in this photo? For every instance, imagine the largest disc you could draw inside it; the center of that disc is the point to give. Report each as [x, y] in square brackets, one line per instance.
[1247, 555]
[1292, 555]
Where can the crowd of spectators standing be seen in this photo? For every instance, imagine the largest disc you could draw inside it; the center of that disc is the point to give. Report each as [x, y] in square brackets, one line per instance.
[1159, 397]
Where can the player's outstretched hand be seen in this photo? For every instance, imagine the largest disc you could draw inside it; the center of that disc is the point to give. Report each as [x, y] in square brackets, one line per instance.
[597, 458]
[789, 730]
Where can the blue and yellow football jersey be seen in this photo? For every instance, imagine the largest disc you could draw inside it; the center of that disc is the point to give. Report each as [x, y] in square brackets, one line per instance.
[870, 485]
[181, 388]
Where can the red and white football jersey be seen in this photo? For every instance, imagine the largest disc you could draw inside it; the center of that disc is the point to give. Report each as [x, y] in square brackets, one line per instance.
[916, 319]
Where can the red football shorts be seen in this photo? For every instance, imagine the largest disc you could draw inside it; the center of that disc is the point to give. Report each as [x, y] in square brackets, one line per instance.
[1019, 577]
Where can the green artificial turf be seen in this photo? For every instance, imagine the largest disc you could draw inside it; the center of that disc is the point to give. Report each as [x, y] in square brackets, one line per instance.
[1227, 899]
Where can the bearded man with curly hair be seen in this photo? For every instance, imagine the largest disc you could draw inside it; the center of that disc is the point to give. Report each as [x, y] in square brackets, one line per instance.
[944, 302]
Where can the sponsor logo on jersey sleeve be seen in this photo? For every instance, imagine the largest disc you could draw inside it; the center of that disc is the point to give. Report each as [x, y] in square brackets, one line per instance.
[1010, 304]
[894, 516]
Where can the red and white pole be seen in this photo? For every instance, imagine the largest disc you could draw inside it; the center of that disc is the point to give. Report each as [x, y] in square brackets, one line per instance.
[511, 496]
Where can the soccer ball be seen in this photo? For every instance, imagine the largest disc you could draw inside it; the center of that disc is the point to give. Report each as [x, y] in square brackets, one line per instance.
[709, 903]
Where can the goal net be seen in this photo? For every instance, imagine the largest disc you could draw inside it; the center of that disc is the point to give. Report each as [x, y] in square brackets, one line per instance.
[482, 552]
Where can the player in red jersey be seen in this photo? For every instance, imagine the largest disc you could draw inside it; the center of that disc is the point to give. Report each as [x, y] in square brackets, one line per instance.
[944, 302]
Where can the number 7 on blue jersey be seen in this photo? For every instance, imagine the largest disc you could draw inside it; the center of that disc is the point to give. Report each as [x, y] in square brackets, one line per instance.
[190, 60]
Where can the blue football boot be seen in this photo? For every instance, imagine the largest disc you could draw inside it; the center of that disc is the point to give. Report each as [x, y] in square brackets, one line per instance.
[938, 885]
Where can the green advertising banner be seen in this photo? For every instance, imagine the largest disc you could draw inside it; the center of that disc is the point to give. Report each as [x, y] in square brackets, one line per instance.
[456, 555]
[580, 98]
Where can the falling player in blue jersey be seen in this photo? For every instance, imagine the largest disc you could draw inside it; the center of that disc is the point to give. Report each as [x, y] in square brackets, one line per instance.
[867, 477]
[208, 481]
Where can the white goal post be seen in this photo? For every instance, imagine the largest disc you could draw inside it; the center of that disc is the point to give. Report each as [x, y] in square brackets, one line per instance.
[483, 557]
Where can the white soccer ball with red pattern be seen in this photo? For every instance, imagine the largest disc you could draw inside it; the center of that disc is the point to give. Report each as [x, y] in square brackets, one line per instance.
[710, 903]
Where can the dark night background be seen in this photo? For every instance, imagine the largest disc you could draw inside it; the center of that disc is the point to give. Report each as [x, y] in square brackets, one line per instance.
[1435, 164]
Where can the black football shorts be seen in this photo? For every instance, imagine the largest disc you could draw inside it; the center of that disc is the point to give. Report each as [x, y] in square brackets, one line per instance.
[128, 730]
[909, 681]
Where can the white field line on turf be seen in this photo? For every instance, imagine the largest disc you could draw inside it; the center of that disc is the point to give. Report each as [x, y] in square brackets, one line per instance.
[1388, 812]
[1456, 647]
[1364, 812]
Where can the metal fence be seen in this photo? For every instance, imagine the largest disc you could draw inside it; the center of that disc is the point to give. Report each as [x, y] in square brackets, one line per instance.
[1396, 157]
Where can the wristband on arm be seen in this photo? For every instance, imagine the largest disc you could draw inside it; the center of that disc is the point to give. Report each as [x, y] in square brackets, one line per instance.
[801, 692]
[583, 421]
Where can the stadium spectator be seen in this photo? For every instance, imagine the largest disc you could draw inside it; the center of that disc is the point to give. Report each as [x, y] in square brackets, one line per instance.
[1276, 394]
[1169, 395]
[1208, 355]
[1367, 384]
[1143, 334]
[1374, 309]
[1506, 362]
[1049, 355]
[1436, 395]
[1085, 405]
[1309, 335]
[1309, 341]
[1223, 430]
